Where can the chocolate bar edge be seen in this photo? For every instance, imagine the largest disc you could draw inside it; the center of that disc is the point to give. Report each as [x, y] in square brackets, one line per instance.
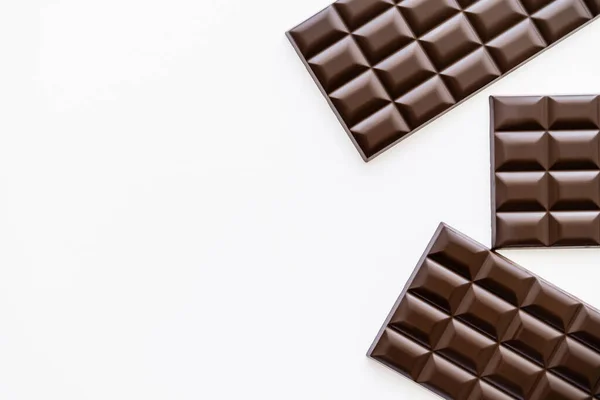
[431, 243]
[492, 170]
[327, 98]
[470, 96]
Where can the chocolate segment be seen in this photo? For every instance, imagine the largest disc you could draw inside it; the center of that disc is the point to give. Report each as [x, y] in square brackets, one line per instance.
[545, 171]
[470, 324]
[389, 67]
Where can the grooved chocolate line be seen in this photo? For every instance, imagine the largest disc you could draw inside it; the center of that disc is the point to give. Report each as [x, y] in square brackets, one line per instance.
[389, 67]
[545, 171]
[470, 324]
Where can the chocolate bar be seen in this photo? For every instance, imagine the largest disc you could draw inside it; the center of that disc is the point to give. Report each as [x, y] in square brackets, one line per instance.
[470, 324]
[545, 171]
[388, 67]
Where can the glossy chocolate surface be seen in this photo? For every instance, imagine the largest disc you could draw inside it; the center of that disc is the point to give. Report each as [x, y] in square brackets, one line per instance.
[546, 171]
[389, 67]
[470, 324]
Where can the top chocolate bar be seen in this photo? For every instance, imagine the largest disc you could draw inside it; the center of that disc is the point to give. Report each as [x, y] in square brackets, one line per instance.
[389, 67]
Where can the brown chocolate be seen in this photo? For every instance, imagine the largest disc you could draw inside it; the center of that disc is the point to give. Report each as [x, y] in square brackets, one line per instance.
[470, 324]
[390, 67]
[545, 171]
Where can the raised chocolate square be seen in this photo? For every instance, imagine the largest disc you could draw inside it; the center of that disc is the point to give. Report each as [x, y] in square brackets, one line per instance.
[422, 57]
[470, 324]
[545, 171]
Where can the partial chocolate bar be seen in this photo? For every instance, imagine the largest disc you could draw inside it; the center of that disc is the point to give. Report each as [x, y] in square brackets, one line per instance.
[545, 171]
[390, 67]
[471, 324]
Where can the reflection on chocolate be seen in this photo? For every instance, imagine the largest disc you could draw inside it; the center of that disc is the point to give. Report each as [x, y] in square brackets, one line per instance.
[389, 67]
[546, 171]
[471, 324]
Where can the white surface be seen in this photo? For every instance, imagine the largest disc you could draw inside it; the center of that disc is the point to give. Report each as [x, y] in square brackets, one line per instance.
[182, 216]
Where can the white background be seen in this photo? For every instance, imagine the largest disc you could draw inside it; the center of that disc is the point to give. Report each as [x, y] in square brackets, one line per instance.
[183, 217]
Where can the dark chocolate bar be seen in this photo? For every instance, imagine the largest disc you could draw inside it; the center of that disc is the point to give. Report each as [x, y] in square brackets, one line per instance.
[545, 171]
[389, 67]
[470, 324]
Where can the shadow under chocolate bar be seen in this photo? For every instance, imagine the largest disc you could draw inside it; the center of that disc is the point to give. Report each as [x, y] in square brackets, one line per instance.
[388, 67]
[471, 324]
